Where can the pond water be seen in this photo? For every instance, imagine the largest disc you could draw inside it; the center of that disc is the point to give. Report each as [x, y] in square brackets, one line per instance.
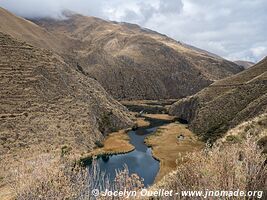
[139, 161]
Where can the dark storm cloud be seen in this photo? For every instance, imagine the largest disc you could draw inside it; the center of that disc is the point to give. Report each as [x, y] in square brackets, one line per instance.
[235, 29]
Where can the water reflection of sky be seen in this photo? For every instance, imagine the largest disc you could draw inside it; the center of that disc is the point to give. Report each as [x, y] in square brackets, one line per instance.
[139, 161]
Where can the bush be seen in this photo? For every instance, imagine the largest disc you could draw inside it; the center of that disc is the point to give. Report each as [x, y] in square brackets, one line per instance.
[233, 139]
[227, 168]
[50, 178]
[65, 150]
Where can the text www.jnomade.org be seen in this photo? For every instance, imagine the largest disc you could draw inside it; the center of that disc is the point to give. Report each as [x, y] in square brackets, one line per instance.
[169, 193]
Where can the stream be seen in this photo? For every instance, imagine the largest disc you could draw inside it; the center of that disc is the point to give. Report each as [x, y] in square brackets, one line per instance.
[139, 161]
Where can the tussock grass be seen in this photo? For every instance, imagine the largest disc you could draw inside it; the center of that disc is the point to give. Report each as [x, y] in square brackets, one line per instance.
[229, 167]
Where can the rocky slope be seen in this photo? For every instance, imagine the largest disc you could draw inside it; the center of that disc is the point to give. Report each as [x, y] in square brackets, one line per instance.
[45, 104]
[129, 62]
[225, 103]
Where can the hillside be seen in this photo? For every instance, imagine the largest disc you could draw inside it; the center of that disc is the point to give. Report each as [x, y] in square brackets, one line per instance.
[245, 64]
[130, 62]
[46, 105]
[135, 63]
[229, 165]
[27, 31]
[226, 103]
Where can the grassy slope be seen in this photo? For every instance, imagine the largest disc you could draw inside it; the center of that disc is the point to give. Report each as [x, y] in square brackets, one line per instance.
[46, 105]
[226, 103]
[133, 63]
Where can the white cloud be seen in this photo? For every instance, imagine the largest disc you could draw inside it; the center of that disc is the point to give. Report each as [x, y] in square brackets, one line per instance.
[234, 29]
[259, 51]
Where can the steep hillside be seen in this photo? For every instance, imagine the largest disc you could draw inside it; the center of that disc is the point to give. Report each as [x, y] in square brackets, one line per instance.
[225, 103]
[45, 104]
[29, 32]
[135, 63]
[245, 64]
[129, 61]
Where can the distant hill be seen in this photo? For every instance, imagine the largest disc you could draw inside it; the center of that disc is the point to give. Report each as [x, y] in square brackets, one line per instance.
[245, 64]
[226, 103]
[130, 62]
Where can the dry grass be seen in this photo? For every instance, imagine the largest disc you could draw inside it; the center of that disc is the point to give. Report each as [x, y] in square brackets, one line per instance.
[167, 148]
[115, 143]
[141, 122]
[237, 166]
[256, 127]
[6, 193]
[55, 178]
[160, 116]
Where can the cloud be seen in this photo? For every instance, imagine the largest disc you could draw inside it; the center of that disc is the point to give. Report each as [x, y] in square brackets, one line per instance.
[234, 29]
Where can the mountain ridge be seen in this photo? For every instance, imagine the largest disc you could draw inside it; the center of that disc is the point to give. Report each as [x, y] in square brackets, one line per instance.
[115, 50]
[129, 62]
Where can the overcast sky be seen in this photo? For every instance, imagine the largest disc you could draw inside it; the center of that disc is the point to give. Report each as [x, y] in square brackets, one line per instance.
[234, 29]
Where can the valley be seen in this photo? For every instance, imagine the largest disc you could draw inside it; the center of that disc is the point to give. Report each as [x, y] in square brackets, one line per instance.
[147, 110]
[156, 144]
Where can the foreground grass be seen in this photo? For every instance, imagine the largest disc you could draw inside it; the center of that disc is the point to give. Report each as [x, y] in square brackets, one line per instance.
[167, 148]
[224, 167]
[6, 193]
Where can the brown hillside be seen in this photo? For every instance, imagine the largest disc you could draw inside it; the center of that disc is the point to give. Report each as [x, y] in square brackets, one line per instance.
[130, 62]
[226, 103]
[45, 104]
[29, 32]
[135, 63]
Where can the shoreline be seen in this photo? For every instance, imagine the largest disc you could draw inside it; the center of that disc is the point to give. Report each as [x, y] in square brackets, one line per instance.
[167, 149]
[115, 143]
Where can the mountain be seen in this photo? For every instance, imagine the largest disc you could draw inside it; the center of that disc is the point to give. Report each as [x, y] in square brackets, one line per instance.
[45, 104]
[130, 62]
[225, 103]
[245, 64]
[27, 31]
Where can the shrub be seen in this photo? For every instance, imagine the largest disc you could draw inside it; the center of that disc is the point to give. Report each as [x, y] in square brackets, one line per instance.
[54, 178]
[233, 139]
[65, 150]
[227, 168]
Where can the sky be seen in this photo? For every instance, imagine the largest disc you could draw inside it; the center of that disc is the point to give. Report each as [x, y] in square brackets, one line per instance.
[233, 29]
